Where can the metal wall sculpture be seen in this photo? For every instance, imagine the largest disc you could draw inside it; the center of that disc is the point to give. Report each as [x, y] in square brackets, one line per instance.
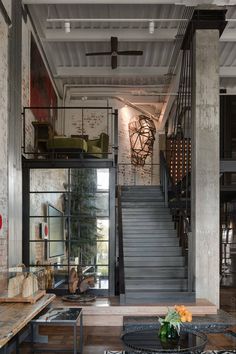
[142, 136]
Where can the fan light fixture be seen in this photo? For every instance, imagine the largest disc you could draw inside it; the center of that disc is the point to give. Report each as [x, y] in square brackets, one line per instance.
[114, 52]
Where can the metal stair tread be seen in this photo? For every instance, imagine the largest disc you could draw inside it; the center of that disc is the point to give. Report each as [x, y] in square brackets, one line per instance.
[151, 248]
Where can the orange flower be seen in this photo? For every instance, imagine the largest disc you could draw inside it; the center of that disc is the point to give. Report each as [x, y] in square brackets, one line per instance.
[189, 317]
[185, 315]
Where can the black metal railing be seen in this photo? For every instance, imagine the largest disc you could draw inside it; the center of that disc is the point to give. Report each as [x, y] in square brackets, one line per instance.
[120, 245]
[174, 200]
[42, 126]
[129, 174]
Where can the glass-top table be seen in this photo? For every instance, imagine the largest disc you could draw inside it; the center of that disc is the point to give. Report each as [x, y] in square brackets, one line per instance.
[148, 341]
[59, 316]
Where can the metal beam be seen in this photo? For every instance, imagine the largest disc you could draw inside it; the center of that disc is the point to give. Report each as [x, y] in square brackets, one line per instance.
[134, 35]
[98, 35]
[169, 99]
[5, 14]
[142, 100]
[115, 19]
[74, 71]
[227, 165]
[228, 71]
[229, 35]
[77, 71]
[133, 2]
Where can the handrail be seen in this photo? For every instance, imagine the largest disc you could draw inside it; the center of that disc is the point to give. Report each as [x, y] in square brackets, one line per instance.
[52, 114]
[120, 241]
[183, 227]
[167, 182]
[129, 174]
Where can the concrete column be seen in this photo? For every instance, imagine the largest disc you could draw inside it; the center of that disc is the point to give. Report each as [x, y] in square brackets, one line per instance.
[205, 164]
[14, 138]
[3, 152]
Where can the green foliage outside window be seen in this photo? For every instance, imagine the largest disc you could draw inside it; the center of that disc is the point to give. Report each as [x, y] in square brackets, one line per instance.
[83, 226]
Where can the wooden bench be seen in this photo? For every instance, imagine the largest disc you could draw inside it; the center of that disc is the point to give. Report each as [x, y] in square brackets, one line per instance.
[14, 317]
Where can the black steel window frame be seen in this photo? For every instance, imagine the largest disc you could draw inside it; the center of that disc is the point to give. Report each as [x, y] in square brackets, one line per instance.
[27, 165]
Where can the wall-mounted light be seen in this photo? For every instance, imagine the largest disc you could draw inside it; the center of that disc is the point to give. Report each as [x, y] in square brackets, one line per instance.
[67, 27]
[151, 27]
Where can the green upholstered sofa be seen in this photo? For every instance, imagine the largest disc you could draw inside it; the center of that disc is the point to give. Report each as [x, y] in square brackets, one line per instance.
[63, 144]
[70, 146]
[99, 147]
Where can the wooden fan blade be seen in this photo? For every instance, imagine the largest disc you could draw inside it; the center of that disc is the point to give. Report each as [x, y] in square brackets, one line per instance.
[113, 61]
[130, 52]
[98, 53]
[114, 44]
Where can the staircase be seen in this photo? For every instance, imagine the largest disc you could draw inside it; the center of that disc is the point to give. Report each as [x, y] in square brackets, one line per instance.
[154, 267]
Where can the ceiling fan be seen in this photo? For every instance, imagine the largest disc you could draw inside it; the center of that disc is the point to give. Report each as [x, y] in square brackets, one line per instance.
[115, 52]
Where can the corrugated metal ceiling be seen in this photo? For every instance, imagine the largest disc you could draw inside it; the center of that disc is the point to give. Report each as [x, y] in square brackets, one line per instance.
[72, 54]
[62, 53]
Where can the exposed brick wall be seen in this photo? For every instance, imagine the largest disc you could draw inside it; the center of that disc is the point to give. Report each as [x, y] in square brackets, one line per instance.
[29, 118]
[44, 180]
[95, 122]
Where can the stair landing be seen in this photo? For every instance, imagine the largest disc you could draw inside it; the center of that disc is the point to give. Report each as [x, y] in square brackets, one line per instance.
[109, 312]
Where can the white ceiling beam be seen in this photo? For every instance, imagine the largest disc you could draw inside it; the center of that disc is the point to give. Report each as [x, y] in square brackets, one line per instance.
[134, 35]
[45, 2]
[96, 35]
[140, 100]
[134, 2]
[229, 35]
[228, 71]
[36, 2]
[64, 71]
[108, 72]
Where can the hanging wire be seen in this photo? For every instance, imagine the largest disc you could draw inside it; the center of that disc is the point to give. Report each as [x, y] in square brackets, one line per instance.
[181, 138]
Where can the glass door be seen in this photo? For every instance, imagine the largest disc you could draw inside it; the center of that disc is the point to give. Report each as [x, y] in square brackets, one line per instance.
[69, 226]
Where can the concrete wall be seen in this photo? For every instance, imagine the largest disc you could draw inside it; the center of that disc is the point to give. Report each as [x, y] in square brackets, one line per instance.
[205, 164]
[4, 146]
[14, 134]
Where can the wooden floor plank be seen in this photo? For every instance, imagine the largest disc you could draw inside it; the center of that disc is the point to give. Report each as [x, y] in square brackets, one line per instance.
[98, 339]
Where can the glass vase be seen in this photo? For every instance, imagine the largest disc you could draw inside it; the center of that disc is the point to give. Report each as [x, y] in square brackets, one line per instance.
[167, 331]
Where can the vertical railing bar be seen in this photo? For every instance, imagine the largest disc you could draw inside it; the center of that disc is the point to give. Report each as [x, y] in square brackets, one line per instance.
[166, 190]
[121, 249]
[82, 121]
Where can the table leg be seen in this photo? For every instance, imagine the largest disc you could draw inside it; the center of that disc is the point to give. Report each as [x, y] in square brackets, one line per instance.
[75, 339]
[32, 337]
[17, 344]
[4, 349]
[81, 334]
